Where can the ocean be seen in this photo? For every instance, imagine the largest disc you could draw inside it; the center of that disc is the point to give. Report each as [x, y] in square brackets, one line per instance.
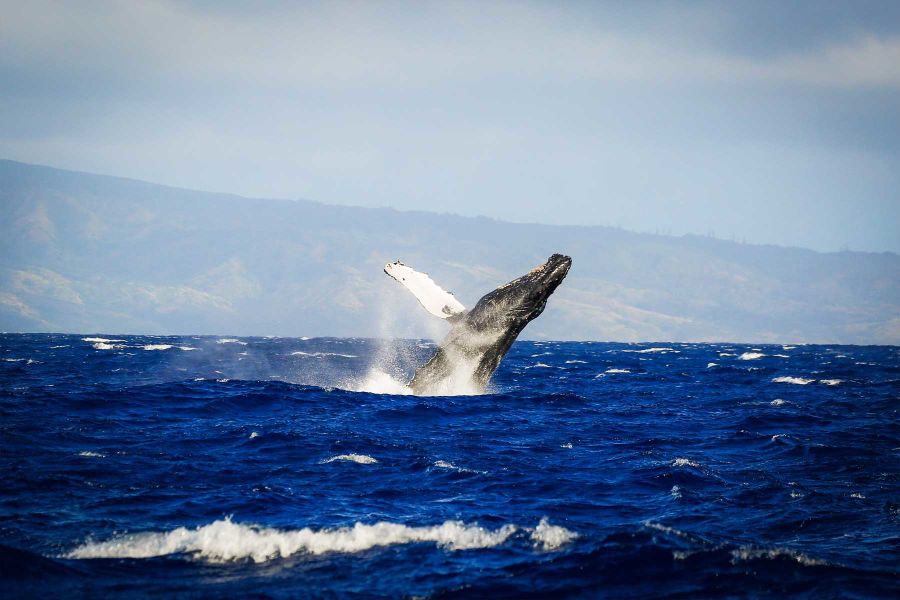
[205, 467]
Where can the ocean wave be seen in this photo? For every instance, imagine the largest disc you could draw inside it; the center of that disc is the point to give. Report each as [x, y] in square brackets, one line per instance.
[777, 402]
[224, 540]
[363, 459]
[105, 346]
[157, 346]
[831, 381]
[322, 354]
[752, 553]
[443, 464]
[551, 537]
[751, 356]
[613, 371]
[794, 380]
[684, 462]
[100, 340]
[230, 341]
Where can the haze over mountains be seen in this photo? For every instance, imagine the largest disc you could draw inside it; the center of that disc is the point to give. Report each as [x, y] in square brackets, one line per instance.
[89, 253]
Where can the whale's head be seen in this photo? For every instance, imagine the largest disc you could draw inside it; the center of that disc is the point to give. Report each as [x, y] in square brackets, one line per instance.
[494, 323]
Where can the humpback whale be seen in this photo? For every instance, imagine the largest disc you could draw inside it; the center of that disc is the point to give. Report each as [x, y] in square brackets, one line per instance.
[480, 337]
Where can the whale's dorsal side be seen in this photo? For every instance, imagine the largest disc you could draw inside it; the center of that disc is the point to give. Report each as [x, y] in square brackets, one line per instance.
[430, 295]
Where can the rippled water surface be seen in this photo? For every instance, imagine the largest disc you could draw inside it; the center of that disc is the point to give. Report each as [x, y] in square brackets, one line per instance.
[199, 466]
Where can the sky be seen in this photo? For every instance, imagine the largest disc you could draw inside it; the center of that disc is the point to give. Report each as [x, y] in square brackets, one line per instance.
[765, 122]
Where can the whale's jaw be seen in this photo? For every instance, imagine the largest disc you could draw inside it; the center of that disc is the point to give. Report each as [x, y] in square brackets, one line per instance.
[480, 338]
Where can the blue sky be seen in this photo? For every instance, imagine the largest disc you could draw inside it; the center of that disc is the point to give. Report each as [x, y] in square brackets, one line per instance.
[770, 122]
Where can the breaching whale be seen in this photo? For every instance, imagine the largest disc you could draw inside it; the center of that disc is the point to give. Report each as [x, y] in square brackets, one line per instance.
[480, 337]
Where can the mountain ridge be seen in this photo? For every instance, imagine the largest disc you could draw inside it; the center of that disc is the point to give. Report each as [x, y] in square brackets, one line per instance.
[85, 252]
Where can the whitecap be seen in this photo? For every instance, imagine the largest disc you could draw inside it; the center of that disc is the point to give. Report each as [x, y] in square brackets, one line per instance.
[858, 496]
[831, 381]
[750, 553]
[254, 434]
[654, 350]
[567, 445]
[781, 356]
[443, 464]
[362, 459]
[551, 537]
[724, 354]
[540, 366]
[684, 462]
[186, 348]
[230, 341]
[711, 365]
[751, 356]
[100, 340]
[89, 454]
[777, 402]
[322, 354]
[105, 346]
[576, 362]
[794, 380]
[224, 540]
[675, 492]
[157, 346]
[617, 371]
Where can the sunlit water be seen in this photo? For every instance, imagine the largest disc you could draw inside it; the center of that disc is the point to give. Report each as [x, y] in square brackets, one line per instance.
[244, 466]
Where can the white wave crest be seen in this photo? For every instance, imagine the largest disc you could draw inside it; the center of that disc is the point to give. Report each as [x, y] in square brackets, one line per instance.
[750, 553]
[443, 464]
[90, 454]
[653, 350]
[363, 459]
[750, 356]
[777, 402]
[711, 365]
[684, 462]
[322, 354]
[794, 380]
[576, 362]
[157, 346]
[230, 341]
[224, 540]
[100, 340]
[831, 381]
[551, 537]
[617, 371]
[105, 346]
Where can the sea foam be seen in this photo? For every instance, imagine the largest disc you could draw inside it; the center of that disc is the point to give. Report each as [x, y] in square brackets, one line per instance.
[225, 540]
[794, 380]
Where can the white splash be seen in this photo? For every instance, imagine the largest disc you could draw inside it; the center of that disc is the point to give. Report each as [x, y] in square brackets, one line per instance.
[230, 341]
[751, 356]
[831, 381]
[684, 462]
[100, 340]
[157, 346]
[362, 459]
[567, 445]
[711, 365]
[322, 354]
[89, 454]
[551, 537]
[653, 350]
[105, 346]
[254, 434]
[540, 365]
[379, 382]
[186, 348]
[224, 540]
[443, 464]
[794, 380]
[611, 371]
[858, 496]
[576, 362]
[777, 402]
[750, 553]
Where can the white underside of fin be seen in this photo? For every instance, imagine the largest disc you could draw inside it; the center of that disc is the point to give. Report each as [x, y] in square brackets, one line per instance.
[436, 300]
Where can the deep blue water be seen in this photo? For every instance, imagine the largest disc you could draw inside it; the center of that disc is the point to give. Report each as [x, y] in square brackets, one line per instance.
[654, 473]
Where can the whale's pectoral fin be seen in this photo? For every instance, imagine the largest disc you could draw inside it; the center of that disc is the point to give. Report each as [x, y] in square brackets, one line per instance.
[436, 300]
